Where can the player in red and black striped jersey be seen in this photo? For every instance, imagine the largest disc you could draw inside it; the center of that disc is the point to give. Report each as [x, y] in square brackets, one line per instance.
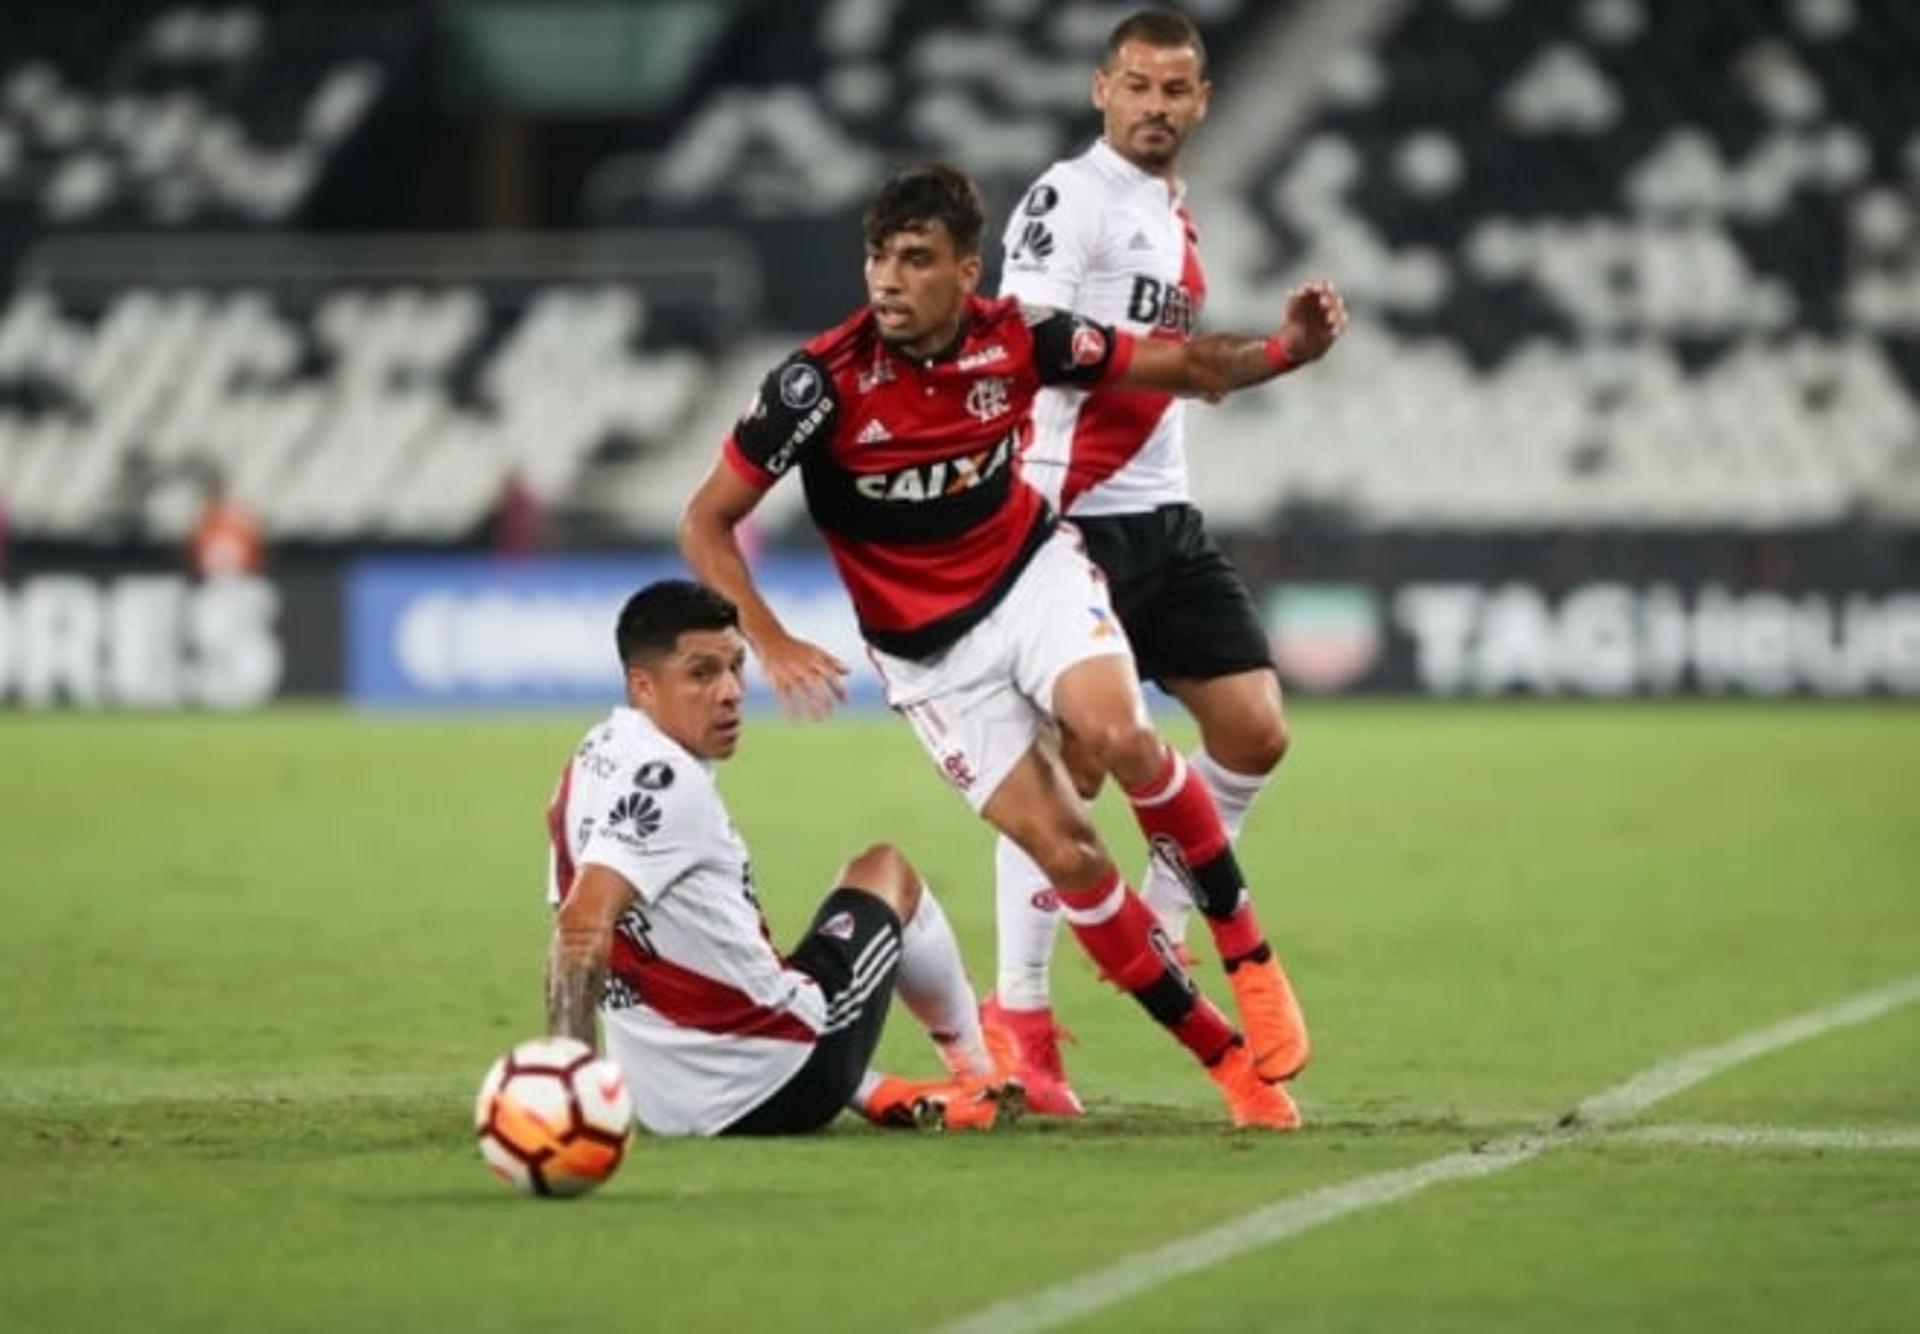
[991, 629]
[910, 462]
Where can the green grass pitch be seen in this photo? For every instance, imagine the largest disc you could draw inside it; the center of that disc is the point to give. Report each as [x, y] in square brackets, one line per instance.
[253, 968]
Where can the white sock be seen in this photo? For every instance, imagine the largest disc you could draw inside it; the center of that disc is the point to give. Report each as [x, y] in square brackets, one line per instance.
[1027, 920]
[1234, 794]
[932, 983]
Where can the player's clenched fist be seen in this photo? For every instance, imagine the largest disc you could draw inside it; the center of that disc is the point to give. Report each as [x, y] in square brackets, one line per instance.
[1316, 317]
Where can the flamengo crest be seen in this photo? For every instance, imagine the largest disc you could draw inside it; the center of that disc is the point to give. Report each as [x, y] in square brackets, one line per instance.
[988, 398]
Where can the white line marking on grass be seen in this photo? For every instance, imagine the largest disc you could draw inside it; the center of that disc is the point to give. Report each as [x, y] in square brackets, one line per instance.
[1101, 1288]
[1815, 1138]
[1683, 1072]
[1097, 1289]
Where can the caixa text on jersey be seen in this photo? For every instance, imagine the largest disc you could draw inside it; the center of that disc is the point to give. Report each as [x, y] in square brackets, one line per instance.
[941, 478]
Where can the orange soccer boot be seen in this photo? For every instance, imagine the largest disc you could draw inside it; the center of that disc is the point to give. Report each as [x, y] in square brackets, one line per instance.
[1270, 1014]
[904, 1104]
[1000, 1080]
[942, 1104]
[1254, 1103]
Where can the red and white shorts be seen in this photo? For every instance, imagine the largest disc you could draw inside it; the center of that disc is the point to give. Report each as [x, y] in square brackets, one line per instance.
[980, 704]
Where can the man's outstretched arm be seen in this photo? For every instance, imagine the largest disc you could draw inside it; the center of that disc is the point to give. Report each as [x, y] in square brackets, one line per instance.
[711, 546]
[582, 944]
[807, 678]
[1215, 365]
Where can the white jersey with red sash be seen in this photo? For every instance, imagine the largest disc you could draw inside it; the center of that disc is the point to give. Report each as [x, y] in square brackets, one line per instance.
[704, 1015]
[1098, 236]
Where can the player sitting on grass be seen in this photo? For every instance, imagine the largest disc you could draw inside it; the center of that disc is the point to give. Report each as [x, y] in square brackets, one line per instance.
[659, 931]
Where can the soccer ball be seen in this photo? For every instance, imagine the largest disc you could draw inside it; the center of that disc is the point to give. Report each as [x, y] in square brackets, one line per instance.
[553, 1117]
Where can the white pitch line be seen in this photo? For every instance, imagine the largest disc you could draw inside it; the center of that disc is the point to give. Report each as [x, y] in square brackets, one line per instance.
[1818, 1139]
[1098, 1289]
[1683, 1072]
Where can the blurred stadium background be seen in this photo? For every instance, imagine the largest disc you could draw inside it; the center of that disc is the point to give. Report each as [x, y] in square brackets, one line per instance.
[457, 299]
[453, 302]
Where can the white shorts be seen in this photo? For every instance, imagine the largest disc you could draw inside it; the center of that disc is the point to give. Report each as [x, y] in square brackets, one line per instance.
[980, 704]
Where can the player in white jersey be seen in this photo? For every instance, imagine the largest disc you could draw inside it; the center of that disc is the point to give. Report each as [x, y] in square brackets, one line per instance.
[1107, 235]
[659, 932]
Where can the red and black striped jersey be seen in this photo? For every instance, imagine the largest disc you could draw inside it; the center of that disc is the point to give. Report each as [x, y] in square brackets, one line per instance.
[912, 465]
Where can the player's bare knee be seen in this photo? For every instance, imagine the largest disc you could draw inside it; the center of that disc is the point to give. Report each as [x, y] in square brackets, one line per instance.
[1087, 775]
[1254, 749]
[884, 871]
[1275, 741]
[1132, 753]
[1073, 858]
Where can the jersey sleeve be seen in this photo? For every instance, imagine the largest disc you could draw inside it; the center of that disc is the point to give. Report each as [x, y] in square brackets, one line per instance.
[1072, 349]
[1050, 241]
[653, 832]
[794, 407]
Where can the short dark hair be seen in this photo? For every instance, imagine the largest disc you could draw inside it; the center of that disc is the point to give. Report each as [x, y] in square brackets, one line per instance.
[654, 618]
[921, 195]
[1156, 27]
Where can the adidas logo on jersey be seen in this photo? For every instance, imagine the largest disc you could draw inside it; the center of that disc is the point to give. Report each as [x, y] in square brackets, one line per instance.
[1139, 242]
[873, 433]
[985, 357]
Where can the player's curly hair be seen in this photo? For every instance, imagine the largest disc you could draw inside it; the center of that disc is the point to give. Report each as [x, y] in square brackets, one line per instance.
[921, 195]
[1158, 27]
[654, 618]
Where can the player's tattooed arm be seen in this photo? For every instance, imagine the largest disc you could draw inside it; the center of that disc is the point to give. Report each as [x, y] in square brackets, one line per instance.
[1215, 365]
[574, 984]
[582, 943]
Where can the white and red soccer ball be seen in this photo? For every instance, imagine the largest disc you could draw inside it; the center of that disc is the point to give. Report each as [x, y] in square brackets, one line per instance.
[553, 1117]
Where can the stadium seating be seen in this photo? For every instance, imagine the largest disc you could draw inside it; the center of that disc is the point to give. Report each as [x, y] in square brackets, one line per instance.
[1612, 263]
[183, 114]
[380, 411]
[823, 97]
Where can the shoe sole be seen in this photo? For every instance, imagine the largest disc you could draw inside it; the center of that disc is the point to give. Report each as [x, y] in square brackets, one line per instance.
[1012, 1097]
[1010, 1104]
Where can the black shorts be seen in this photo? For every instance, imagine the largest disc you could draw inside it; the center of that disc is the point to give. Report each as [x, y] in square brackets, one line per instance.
[1183, 605]
[852, 948]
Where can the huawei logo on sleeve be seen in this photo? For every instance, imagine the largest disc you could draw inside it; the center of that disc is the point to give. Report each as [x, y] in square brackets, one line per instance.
[633, 818]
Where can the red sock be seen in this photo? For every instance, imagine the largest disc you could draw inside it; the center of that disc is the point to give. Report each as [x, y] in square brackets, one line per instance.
[1112, 925]
[1178, 816]
[1237, 936]
[1177, 807]
[1205, 1031]
[1117, 929]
